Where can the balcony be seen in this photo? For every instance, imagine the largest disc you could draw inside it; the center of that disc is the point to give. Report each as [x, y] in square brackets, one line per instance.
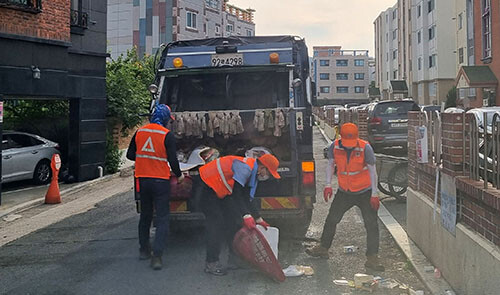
[32, 6]
[79, 21]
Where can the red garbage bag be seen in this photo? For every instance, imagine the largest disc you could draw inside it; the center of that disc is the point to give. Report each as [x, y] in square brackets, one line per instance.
[253, 247]
[180, 191]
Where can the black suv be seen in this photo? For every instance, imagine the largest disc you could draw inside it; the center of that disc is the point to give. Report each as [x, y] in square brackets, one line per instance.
[388, 123]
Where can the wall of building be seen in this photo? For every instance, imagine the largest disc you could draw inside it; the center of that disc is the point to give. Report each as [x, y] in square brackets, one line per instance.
[120, 28]
[332, 54]
[461, 31]
[52, 23]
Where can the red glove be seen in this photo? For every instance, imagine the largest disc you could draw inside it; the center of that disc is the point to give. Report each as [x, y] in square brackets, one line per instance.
[262, 223]
[375, 202]
[248, 221]
[327, 193]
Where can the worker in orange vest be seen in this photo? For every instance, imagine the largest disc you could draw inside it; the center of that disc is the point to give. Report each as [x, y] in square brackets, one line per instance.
[229, 188]
[357, 186]
[153, 148]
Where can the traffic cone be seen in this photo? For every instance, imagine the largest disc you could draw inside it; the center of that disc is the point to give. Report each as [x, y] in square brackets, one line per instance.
[53, 195]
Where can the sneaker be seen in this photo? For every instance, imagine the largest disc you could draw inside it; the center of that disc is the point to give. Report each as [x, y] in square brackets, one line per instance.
[318, 251]
[214, 268]
[144, 254]
[372, 262]
[156, 263]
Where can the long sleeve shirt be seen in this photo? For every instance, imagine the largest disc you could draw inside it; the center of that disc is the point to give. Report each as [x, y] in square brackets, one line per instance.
[171, 147]
[369, 160]
[245, 185]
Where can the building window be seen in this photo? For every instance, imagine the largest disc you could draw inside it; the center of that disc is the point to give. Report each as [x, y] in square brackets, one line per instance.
[324, 89]
[359, 89]
[395, 75]
[324, 62]
[486, 27]
[217, 28]
[387, 75]
[432, 61]
[432, 32]
[191, 20]
[394, 14]
[460, 21]
[342, 63]
[359, 76]
[394, 34]
[342, 89]
[387, 37]
[419, 63]
[214, 4]
[249, 32]
[324, 76]
[461, 55]
[230, 28]
[430, 5]
[34, 6]
[419, 11]
[394, 54]
[342, 76]
[387, 56]
[359, 62]
[419, 37]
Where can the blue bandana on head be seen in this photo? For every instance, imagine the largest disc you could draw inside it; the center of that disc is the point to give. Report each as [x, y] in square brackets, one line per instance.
[161, 115]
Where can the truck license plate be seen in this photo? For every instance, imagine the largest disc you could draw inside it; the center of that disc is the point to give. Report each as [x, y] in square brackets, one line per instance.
[234, 59]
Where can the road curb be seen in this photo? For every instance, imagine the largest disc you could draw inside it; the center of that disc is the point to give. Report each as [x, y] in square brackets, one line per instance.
[418, 260]
[41, 201]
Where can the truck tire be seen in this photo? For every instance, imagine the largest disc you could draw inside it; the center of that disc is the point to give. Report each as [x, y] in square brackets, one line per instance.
[295, 228]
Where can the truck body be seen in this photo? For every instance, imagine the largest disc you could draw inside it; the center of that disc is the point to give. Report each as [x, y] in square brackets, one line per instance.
[246, 74]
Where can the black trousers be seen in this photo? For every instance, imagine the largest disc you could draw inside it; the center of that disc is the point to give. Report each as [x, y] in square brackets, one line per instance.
[340, 205]
[221, 222]
[154, 192]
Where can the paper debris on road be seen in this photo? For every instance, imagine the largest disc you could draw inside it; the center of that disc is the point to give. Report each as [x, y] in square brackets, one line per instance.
[11, 217]
[341, 282]
[298, 270]
[388, 284]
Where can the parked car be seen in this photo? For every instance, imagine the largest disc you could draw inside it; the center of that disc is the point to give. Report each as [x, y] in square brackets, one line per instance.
[388, 123]
[26, 156]
[430, 108]
[454, 110]
[479, 114]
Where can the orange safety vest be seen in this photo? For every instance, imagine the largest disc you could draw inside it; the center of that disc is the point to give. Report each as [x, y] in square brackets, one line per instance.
[353, 176]
[218, 174]
[151, 154]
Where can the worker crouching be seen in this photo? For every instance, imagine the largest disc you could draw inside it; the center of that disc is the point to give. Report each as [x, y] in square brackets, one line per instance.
[229, 188]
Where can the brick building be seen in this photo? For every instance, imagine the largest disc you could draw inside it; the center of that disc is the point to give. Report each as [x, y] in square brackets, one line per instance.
[56, 50]
[148, 24]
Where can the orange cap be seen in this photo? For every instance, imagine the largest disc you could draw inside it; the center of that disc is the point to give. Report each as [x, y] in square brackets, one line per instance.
[271, 163]
[349, 135]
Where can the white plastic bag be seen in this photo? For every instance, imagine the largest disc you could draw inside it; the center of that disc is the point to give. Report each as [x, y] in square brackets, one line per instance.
[272, 235]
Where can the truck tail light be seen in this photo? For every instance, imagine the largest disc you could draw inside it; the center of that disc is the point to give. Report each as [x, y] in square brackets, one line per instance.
[308, 174]
[376, 121]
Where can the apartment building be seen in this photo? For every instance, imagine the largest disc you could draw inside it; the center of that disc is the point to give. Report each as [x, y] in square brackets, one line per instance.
[405, 51]
[386, 51]
[341, 76]
[434, 50]
[147, 24]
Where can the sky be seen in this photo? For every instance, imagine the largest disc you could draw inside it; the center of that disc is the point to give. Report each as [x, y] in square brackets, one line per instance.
[348, 23]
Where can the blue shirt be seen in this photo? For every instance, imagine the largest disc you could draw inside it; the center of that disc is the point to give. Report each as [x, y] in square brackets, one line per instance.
[245, 176]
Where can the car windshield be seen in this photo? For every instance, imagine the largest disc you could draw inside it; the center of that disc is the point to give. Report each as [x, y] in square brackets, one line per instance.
[395, 108]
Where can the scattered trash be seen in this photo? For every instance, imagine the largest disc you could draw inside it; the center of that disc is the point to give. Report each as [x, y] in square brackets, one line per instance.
[361, 278]
[11, 217]
[413, 292]
[298, 270]
[388, 284]
[429, 268]
[341, 282]
[350, 249]
[449, 292]
[437, 273]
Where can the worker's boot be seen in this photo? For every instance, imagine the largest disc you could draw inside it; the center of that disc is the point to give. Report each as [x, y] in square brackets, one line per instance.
[156, 263]
[373, 263]
[144, 253]
[318, 251]
[214, 268]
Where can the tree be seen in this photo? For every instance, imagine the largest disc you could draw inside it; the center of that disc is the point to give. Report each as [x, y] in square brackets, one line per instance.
[127, 81]
[451, 98]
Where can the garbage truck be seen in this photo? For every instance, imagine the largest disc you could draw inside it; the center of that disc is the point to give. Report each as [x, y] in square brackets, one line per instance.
[241, 96]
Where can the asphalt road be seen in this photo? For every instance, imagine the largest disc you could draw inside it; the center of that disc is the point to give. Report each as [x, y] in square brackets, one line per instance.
[96, 252]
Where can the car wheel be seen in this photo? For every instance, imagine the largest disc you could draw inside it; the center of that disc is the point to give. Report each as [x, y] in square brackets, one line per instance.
[43, 172]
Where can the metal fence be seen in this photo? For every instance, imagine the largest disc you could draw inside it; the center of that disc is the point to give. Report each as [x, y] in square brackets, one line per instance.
[432, 122]
[484, 149]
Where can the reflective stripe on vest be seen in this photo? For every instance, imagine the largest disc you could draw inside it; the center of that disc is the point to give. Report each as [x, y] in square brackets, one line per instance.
[218, 174]
[151, 154]
[354, 173]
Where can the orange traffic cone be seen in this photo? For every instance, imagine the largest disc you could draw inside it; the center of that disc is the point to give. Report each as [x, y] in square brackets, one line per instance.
[53, 196]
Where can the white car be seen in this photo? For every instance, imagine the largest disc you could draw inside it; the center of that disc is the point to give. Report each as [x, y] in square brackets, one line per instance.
[26, 156]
